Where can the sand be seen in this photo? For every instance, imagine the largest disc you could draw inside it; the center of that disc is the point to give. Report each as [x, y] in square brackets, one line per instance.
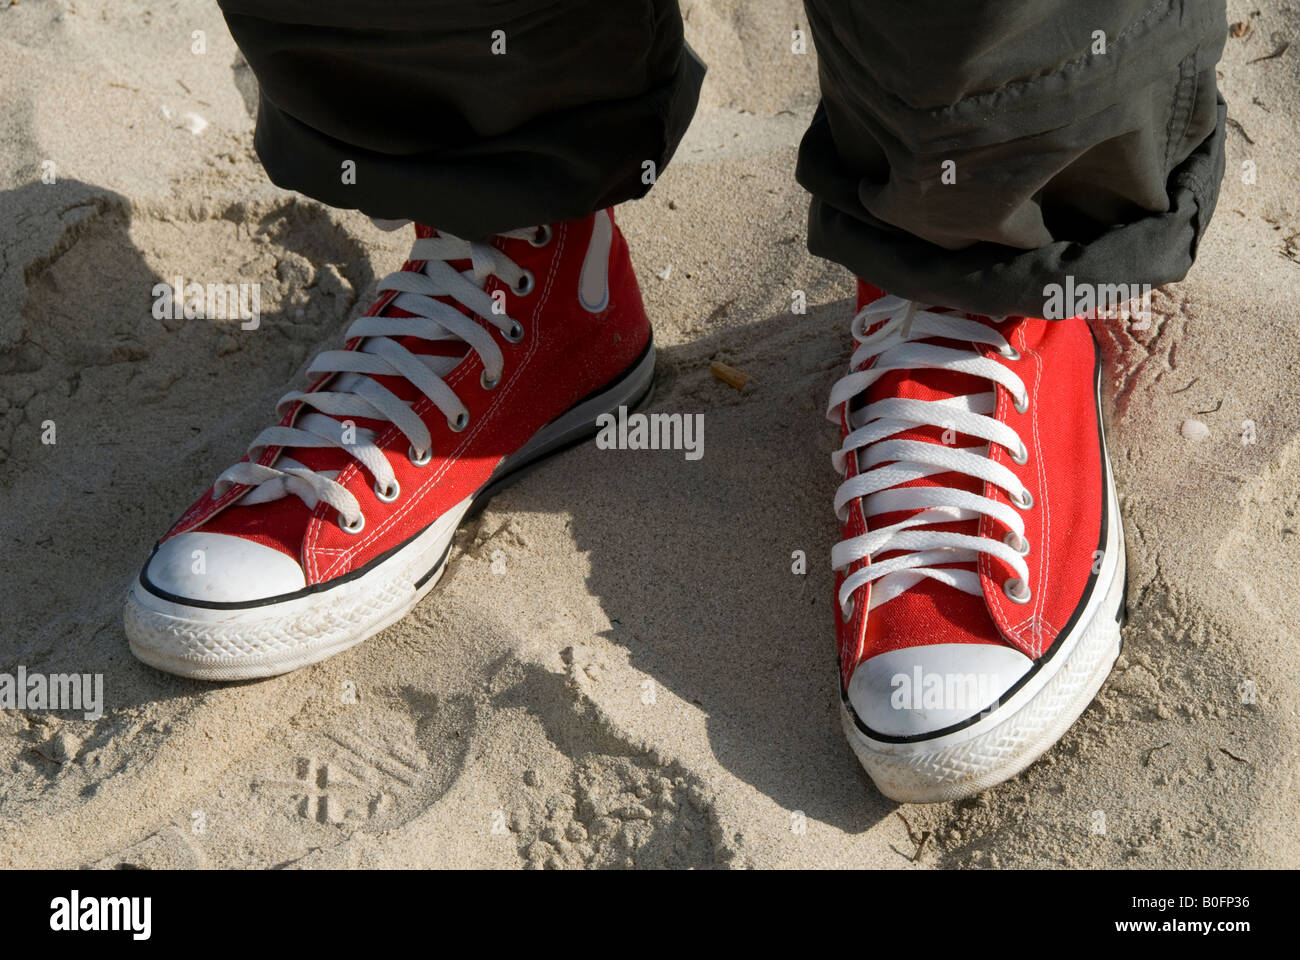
[620, 667]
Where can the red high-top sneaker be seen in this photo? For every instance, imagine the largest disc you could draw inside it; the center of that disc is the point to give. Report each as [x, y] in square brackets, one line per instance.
[477, 360]
[980, 578]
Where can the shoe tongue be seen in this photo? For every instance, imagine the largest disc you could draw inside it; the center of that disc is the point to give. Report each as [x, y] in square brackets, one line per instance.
[951, 614]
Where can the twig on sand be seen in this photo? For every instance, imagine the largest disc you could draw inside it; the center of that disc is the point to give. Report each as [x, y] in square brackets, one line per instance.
[730, 375]
[720, 311]
[920, 842]
[1235, 124]
[1274, 55]
[1146, 761]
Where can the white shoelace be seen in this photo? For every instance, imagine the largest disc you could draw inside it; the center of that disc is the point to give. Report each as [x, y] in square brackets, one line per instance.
[886, 463]
[356, 394]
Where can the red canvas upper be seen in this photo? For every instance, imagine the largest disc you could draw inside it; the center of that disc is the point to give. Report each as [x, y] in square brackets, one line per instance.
[566, 353]
[1063, 473]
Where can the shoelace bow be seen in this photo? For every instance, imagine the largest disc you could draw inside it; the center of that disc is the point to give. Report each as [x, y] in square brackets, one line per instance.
[356, 394]
[886, 464]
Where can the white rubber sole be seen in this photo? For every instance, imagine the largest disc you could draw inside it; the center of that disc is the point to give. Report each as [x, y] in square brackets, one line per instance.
[271, 638]
[1016, 733]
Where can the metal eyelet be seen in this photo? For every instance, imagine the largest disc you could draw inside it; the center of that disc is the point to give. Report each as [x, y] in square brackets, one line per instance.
[487, 384]
[1023, 594]
[846, 612]
[1010, 353]
[1017, 543]
[1022, 456]
[515, 333]
[460, 423]
[525, 285]
[1026, 503]
[419, 459]
[388, 496]
[542, 237]
[1022, 406]
[361, 523]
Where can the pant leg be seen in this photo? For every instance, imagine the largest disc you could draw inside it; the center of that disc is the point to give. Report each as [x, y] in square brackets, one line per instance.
[1068, 158]
[446, 131]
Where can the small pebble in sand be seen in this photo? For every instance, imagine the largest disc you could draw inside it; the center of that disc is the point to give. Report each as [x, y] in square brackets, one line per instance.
[1194, 430]
[665, 273]
[194, 123]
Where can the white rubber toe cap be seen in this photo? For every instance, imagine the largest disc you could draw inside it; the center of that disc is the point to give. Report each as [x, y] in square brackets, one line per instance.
[919, 691]
[218, 568]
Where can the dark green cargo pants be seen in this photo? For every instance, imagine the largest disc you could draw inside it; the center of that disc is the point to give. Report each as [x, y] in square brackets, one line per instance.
[965, 154]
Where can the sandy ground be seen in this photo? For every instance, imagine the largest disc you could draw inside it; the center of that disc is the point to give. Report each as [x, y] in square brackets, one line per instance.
[620, 667]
